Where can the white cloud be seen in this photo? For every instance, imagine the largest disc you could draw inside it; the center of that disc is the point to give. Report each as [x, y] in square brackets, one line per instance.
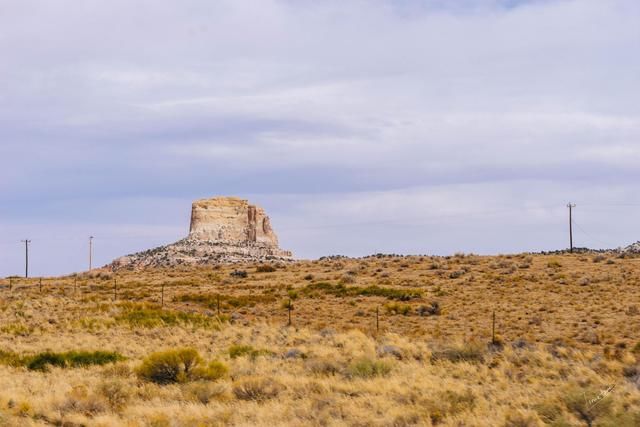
[335, 109]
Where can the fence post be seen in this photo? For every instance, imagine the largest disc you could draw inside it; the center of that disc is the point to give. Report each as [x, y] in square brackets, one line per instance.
[75, 285]
[162, 296]
[289, 308]
[10, 283]
[218, 303]
[377, 319]
[493, 329]
[115, 289]
[41, 284]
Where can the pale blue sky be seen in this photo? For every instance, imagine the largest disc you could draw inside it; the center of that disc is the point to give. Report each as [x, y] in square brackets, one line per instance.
[362, 126]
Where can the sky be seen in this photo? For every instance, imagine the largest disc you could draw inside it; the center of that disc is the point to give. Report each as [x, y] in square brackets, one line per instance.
[395, 126]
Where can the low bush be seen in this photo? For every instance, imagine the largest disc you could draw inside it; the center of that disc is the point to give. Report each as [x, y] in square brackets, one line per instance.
[323, 366]
[115, 392]
[347, 279]
[588, 404]
[370, 291]
[397, 308]
[465, 353]
[10, 358]
[226, 301]
[149, 316]
[42, 361]
[70, 359]
[431, 310]
[367, 368]
[265, 268]
[554, 264]
[177, 366]
[87, 358]
[241, 350]
[205, 391]
[257, 389]
[241, 274]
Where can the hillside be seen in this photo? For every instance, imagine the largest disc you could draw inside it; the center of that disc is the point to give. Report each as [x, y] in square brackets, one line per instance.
[566, 348]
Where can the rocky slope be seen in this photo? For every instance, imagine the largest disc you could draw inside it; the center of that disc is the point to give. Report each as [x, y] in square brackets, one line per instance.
[223, 230]
[633, 248]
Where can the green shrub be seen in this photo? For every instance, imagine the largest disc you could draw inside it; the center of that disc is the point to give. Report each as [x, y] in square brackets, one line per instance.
[181, 365]
[241, 350]
[214, 370]
[87, 358]
[397, 308]
[70, 359]
[10, 358]
[340, 290]
[211, 300]
[147, 316]
[42, 361]
[367, 368]
[389, 293]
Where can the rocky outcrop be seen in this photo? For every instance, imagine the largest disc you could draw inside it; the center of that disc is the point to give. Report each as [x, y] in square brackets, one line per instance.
[222, 230]
[231, 220]
[632, 248]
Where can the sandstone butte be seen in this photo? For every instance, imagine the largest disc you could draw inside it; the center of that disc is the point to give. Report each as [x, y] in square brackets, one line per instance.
[223, 229]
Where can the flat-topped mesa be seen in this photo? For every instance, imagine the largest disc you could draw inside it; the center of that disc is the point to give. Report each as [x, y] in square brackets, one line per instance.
[230, 220]
[223, 229]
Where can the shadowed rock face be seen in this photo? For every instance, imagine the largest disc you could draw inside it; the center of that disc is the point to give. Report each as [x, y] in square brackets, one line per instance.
[231, 220]
[223, 229]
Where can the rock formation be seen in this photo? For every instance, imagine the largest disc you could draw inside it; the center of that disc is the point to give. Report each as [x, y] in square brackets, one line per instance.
[632, 248]
[230, 219]
[223, 229]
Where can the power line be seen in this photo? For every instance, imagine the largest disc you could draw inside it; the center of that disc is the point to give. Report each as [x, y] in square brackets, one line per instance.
[606, 245]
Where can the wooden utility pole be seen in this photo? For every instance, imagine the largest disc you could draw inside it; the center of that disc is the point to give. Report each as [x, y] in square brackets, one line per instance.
[571, 206]
[90, 252]
[26, 257]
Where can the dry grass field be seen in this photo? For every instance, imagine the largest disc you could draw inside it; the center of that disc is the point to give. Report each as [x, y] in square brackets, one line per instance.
[380, 341]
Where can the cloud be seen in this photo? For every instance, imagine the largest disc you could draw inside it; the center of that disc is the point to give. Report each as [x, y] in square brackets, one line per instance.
[356, 107]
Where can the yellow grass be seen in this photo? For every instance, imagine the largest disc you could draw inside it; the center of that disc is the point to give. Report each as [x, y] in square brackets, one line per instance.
[566, 350]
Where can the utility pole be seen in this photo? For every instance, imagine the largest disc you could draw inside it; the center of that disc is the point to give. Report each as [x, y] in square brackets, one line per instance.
[570, 206]
[90, 251]
[26, 257]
